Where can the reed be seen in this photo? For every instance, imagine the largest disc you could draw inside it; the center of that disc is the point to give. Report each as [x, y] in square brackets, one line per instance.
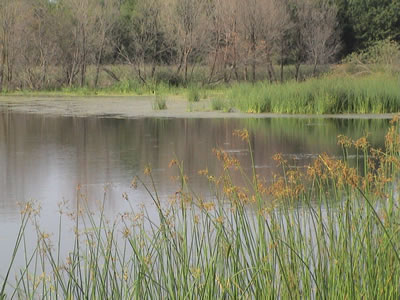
[160, 103]
[218, 104]
[377, 93]
[328, 94]
[193, 94]
[328, 231]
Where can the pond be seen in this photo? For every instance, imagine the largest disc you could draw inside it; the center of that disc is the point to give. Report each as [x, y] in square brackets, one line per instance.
[46, 158]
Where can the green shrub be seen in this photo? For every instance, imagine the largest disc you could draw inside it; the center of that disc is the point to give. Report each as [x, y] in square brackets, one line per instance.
[381, 56]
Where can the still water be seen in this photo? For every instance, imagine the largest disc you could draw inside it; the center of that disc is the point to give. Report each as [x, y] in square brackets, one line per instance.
[45, 158]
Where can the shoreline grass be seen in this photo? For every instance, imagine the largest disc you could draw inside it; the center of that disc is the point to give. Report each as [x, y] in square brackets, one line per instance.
[379, 93]
[159, 103]
[329, 94]
[329, 231]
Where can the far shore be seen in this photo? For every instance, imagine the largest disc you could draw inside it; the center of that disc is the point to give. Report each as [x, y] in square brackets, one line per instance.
[140, 107]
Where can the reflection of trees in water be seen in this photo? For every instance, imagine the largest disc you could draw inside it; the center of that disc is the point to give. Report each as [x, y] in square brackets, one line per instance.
[44, 155]
[316, 135]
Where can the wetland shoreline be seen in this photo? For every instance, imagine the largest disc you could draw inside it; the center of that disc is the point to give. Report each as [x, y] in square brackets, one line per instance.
[141, 106]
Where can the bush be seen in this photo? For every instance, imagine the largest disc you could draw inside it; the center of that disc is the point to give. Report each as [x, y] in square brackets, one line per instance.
[381, 56]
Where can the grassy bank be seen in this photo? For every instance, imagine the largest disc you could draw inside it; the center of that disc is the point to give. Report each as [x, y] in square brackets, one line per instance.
[330, 94]
[325, 95]
[327, 231]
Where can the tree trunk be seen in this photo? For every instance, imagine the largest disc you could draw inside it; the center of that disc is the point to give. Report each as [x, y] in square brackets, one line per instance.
[185, 64]
[315, 67]
[178, 70]
[153, 70]
[2, 67]
[297, 71]
[96, 79]
[83, 60]
[213, 66]
[253, 63]
[281, 75]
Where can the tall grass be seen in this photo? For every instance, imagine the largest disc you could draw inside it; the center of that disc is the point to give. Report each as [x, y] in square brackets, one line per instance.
[379, 93]
[193, 94]
[329, 231]
[159, 103]
[330, 94]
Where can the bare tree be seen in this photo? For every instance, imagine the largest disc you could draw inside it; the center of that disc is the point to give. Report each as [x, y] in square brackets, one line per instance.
[10, 26]
[273, 32]
[38, 47]
[188, 28]
[251, 18]
[318, 30]
[77, 34]
[106, 16]
[146, 37]
[47, 43]
[225, 51]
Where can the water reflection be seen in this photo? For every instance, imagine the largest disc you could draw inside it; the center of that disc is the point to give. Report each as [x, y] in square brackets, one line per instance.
[46, 158]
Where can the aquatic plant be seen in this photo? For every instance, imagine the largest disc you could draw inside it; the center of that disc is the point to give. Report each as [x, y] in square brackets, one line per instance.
[159, 103]
[193, 94]
[325, 95]
[329, 230]
[217, 104]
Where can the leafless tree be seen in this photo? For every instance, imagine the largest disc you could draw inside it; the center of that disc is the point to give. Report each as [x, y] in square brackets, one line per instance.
[318, 30]
[81, 17]
[47, 43]
[10, 25]
[273, 31]
[106, 16]
[38, 47]
[225, 51]
[251, 19]
[146, 38]
[188, 28]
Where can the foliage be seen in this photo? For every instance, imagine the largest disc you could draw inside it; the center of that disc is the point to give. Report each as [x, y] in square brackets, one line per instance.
[381, 56]
[365, 22]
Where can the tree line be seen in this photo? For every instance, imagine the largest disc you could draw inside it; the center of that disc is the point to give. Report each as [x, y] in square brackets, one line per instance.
[52, 43]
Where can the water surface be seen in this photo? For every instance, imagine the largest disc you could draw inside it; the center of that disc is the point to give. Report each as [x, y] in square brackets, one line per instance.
[46, 158]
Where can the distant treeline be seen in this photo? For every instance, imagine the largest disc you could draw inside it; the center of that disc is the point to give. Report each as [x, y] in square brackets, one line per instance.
[47, 44]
